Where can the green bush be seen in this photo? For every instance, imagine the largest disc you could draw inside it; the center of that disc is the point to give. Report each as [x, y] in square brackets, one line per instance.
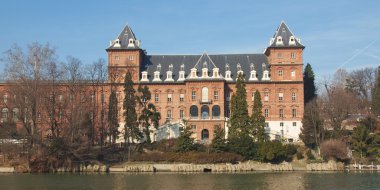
[244, 146]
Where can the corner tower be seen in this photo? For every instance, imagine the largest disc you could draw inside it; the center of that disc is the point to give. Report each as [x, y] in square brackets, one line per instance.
[285, 55]
[124, 55]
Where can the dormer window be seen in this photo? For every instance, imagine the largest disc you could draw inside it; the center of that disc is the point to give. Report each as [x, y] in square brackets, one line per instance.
[279, 41]
[252, 77]
[169, 74]
[117, 43]
[238, 67]
[131, 43]
[292, 40]
[266, 75]
[144, 76]
[205, 72]
[193, 73]
[215, 72]
[182, 73]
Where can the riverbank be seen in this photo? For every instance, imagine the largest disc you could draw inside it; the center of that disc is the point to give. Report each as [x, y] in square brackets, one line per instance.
[135, 167]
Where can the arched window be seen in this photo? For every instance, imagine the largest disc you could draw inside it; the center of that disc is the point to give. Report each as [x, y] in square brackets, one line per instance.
[204, 94]
[15, 114]
[204, 134]
[4, 113]
[194, 111]
[215, 112]
[205, 112]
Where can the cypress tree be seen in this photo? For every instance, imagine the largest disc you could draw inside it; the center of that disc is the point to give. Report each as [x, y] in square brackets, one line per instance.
[149, 114]
[310, 91]
[376, 95]
[239, 119]
[113, 123]
[131, 129]
[258, 119]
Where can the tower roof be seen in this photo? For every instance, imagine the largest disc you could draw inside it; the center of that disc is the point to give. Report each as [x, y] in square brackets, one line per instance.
[284, 38]
[125, 40]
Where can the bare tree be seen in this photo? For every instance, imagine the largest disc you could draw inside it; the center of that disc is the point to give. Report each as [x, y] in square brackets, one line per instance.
[27, 72]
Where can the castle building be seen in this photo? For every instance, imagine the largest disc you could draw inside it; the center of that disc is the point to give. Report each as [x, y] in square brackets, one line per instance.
[198, 88]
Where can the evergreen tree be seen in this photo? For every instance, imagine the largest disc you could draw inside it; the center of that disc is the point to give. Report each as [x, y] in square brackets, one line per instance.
[258, 119]
[131, 128]
[312, 131]
[149, 115]
[185, 142]
[239, 119]
[218, 143]
[113, 123]
[310, 91]
[376, 96]
[360, 139]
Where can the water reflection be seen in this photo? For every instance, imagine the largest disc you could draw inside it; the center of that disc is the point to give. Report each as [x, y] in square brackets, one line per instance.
[194, 181]
[171, 181]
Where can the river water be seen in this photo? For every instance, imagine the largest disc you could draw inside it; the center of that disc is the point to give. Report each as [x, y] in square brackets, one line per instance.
[193, 181]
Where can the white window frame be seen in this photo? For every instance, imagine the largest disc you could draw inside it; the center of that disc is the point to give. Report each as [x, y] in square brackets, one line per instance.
[169, 98]
[281, 96]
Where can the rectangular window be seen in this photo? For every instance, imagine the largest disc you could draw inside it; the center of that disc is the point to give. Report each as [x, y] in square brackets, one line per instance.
[253, 96]
[169, 114]
[292, 55]
[169, 98]
[156, 97]
[281, 113]
[281, 96]
[279, 55]
[266, 124]
[193, 95]
[5, 98]
[280, 73]
[131, 58]
[294, 113]
[181, 114]
[281, 124]
[60, 98]
[294, 124]
[266, 113]
[294, 96]
[266, 96]
[117, 57]
[293, 73]
[181, 97]
[216, 95]
[228, 96]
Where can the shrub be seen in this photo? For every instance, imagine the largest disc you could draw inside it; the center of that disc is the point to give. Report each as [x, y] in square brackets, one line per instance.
[300, 156]
[188, 157]
[334, 149]
[243, 145]
[310, 155]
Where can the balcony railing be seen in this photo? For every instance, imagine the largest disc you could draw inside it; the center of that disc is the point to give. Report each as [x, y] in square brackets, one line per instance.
[205, 101]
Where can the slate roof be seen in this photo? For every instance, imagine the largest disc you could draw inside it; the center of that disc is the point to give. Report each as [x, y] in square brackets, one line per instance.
[150, 63]
[124, 37]
[284, 31]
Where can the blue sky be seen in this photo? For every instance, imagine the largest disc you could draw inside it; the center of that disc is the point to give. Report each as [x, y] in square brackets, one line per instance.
[336, 33]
